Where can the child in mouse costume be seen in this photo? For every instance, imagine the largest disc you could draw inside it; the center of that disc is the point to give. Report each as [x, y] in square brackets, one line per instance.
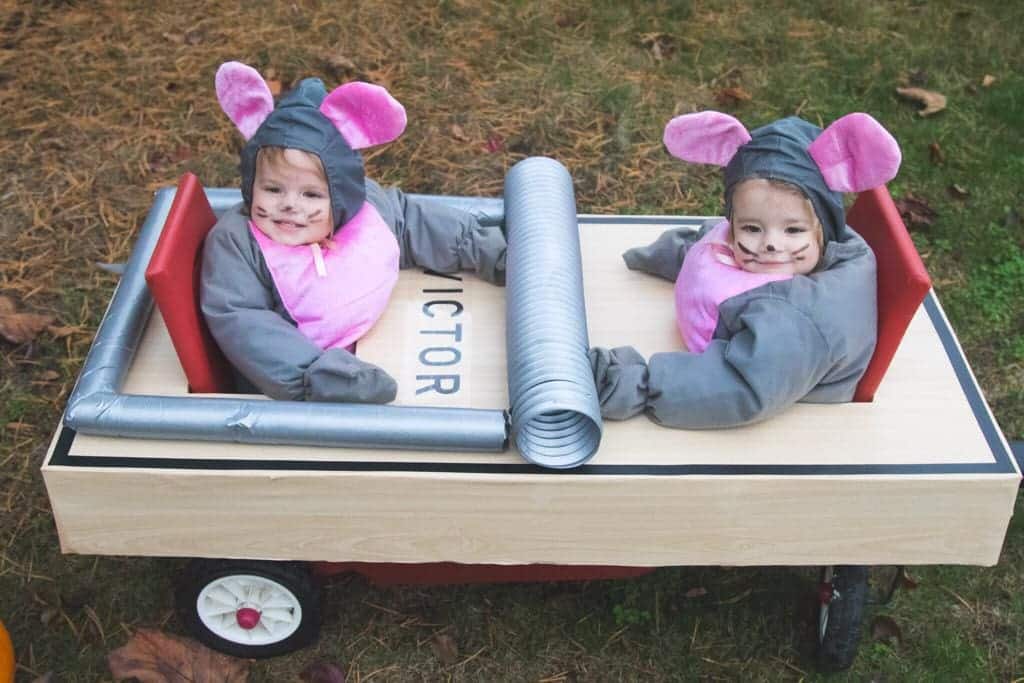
[777, 304]
[304, 266]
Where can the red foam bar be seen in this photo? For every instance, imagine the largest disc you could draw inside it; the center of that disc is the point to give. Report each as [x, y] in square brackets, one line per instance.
[173, 279]
[903, 280]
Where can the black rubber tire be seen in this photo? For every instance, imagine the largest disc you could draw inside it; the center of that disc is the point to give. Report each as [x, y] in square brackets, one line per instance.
[293, 576]
[837, 647]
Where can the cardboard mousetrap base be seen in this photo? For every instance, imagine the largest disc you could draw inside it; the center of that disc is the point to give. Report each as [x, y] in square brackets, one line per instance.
[921, 475]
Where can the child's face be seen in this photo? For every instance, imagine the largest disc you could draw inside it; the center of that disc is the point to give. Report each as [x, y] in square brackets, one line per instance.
[774, 230]
[291, 203]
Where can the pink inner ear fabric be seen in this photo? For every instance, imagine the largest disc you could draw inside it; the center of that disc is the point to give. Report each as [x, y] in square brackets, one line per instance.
[856, 153]
[244, 96]
[364, 114]
[707, 137]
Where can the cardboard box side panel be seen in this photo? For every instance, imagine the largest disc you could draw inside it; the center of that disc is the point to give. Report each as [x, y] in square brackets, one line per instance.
[52, 491]
[515, 519]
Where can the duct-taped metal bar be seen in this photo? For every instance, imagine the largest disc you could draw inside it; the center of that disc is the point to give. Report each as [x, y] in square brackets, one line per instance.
[96, 405]
[556, 417]
[244, 420]
[488, 210]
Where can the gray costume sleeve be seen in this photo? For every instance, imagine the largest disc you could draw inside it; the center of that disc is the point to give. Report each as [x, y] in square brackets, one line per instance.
[441, 238]
[773, 361]
[664, 256]
[248, 322]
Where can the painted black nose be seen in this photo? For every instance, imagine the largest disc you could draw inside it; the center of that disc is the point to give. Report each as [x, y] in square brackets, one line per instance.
[770, 247]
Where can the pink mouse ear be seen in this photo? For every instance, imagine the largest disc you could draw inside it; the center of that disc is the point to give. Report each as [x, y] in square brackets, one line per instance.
[856, 153]
[244, 96]
[707, 137]
[364, 114]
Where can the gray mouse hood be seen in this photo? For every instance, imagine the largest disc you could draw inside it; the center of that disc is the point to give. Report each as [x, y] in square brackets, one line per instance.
[297, 122]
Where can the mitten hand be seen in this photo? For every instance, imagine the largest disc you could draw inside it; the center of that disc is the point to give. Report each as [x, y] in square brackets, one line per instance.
[341, 377]
[664, 256]
[620, 375]
[484, 253]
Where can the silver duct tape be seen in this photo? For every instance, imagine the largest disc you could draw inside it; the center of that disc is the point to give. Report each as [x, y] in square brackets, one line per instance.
[196, 418]
[488, 210]
[96, 405]
[556, 417]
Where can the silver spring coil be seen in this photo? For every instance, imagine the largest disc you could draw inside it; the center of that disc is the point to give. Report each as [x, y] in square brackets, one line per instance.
[555, 414]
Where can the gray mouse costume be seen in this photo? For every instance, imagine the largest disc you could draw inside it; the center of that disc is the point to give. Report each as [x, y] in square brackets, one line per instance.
[241, 304]
[808, 338]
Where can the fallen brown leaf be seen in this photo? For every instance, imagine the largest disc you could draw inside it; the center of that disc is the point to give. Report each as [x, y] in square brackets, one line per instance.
[933, 102]
[886, 629]
[907, 582]
[661, 45]
[734, 95]
[445, 648]
[917, 77]
[802, 34]
[20, 327]
[47, 615]
[155, 657]
[275, 86]
[958, 191]
[77, 598]
[322, 672]
[987, 80]
[458, 133]
[697, 592]
[49, 375]
[915, 212]
[339, 63]
[60, 331]
[936, 153]
[568, 20]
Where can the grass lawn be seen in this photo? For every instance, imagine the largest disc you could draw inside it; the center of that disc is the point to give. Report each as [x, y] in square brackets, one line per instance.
[103, 102]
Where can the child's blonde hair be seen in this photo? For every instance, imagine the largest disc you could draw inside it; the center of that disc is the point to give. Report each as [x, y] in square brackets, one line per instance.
[275, 156]
[819, 231]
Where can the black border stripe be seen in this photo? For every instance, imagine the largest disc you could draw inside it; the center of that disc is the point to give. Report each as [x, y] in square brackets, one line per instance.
[972, 392]
[64, 459]
[1017, 449]
[1003, 460]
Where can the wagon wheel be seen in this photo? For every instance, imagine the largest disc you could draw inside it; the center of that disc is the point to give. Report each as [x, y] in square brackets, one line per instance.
[249, 608]
[843, 593]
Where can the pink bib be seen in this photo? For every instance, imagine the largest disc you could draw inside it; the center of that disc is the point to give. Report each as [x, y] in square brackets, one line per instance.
[709, 276]
[338, 302]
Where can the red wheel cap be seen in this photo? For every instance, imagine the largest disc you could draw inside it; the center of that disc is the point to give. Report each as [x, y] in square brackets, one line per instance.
[247, 618]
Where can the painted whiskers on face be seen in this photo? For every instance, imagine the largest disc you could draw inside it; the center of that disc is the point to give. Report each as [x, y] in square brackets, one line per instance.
[290, 200]
[798, 254]
[774, 229]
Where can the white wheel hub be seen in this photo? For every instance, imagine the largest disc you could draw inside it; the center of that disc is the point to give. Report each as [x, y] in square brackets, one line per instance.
[226, 606]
